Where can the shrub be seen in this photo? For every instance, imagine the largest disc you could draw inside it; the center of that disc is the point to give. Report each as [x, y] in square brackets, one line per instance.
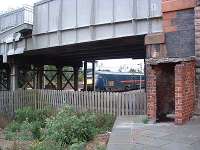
[10, 135]
[28, 124]
[46, 145]
[32, 115]
[13, 127]
[104, 122]
[24, 131]
[35, 128]
[145, 120]
[85, 127]
[11, 130]
[68, 127]
[77, 146]
[100, 147]
[26, 113]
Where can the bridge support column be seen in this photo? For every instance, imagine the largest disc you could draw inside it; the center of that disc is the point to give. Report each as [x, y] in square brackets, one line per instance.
[76, 75]
[13, 77]
[39, 76]
[85, 75]
[4, 77]
[59, 77]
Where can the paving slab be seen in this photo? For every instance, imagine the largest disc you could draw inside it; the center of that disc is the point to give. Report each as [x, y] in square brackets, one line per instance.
[176, 146]
[129, 133]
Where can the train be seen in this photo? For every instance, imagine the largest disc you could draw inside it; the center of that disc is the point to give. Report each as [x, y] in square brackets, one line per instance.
[107, 81]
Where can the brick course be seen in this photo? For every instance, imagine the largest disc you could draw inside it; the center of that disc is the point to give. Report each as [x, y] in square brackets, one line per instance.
[162, 89]
[184, 91]
[151, 93]
[173, 5]
[197, 54]
[181, 35]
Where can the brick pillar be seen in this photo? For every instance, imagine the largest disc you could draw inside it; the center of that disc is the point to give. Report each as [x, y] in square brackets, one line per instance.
[151, 93]
[179, 93]
[184, 91]
[197, 54]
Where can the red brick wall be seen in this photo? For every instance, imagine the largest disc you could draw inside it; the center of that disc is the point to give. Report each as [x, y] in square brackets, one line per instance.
[197, 54]
[160, 89]
[173, 5]
[171, 9]
[151, 92]
[178, 22]
[165, 85]
[184, 91]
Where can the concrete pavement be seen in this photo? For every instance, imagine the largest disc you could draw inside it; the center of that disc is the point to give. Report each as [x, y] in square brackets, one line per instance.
[129, 133]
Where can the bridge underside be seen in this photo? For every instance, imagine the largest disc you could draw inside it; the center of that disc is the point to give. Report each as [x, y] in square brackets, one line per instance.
[28, 69]
[128, 47]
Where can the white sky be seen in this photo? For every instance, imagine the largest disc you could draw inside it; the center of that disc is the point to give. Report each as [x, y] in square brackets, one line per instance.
[112, 65]
[115, 64]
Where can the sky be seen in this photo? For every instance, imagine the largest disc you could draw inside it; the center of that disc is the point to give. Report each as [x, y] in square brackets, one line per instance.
[112, 65]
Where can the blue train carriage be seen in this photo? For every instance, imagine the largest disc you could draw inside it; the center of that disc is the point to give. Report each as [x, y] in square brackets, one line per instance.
[116, 81]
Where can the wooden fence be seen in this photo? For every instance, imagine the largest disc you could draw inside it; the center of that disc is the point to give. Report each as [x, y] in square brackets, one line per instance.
[120, 104]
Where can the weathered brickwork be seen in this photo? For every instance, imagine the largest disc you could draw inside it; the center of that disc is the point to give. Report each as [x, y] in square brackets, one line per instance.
[179, 36]
[173, 83]
[180, 33]
[197, 31]
[174, 5]
[171, 88]
[151, 93]
[197, 54]
[184, 91]
[156, 47]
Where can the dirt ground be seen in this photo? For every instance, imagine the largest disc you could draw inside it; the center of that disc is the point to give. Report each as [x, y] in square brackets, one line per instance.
[100, 140]
[12, 145]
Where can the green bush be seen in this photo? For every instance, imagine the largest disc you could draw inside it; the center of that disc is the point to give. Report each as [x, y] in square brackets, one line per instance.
[46, 145]
[9, 135]
[145, 120]
[13, 127]
[27, 124]
[66, 130]
[36, 129]
[104, 122]
[11, 130]
[32, 115]
[77, 146]
[69, 128]
[100, 147]
[24, 131]
[26, 113]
